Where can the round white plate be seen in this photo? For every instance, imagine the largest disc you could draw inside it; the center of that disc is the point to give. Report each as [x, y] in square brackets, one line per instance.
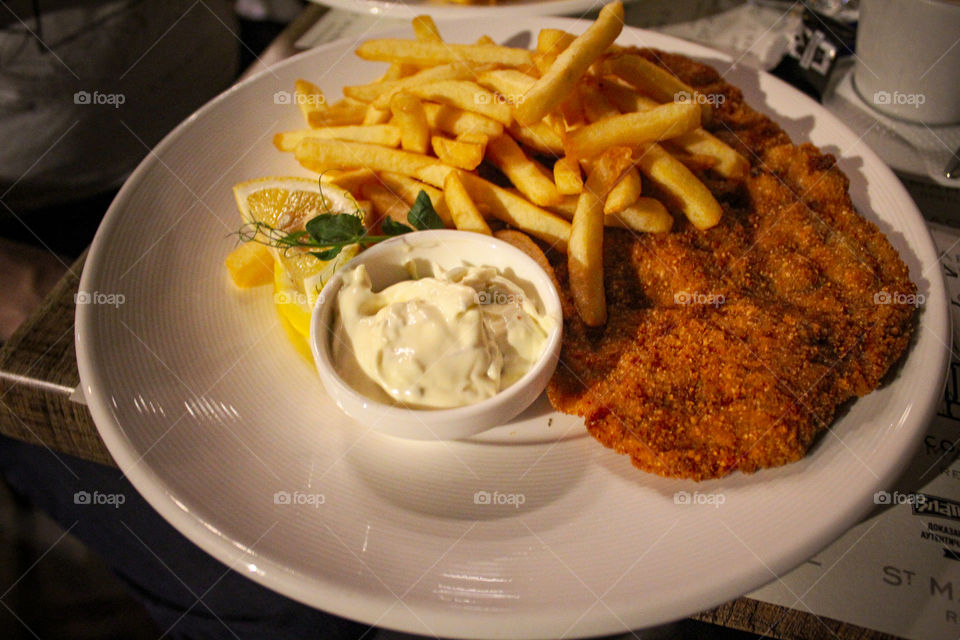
[407, 9]
[530, 530]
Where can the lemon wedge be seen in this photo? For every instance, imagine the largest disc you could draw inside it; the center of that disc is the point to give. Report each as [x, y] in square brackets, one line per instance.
[294, 314]
[286, 204]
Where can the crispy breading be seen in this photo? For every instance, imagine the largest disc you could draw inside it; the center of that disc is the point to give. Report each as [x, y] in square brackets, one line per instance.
[732, 349]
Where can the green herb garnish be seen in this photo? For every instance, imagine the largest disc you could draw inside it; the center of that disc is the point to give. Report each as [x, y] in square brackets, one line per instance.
[328, 233]
[422, 214]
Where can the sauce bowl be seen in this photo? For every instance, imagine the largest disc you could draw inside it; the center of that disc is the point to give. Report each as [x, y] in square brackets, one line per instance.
[385, 262]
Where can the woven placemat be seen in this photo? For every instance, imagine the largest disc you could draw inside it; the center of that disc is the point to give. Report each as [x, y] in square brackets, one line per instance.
[38, 373]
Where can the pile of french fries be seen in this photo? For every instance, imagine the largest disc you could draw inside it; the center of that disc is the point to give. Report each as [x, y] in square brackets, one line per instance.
[606, 119]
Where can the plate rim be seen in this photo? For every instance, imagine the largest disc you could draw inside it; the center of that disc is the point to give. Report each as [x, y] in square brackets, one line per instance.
[341, 601]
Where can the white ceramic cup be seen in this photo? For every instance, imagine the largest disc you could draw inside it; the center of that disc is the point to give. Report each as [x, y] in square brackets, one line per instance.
[908, 59]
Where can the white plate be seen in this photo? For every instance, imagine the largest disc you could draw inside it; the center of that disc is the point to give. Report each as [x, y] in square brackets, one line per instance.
[407, 9]
[217, 421]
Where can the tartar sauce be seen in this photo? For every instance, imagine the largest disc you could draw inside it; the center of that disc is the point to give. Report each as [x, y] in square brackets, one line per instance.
[447, 340]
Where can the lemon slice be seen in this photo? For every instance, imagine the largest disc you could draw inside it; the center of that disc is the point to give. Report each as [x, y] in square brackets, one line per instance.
[287, 204]
[291, 304]
[294, 312]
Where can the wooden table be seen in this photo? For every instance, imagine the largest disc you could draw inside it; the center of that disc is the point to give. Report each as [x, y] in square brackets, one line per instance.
[38, 374]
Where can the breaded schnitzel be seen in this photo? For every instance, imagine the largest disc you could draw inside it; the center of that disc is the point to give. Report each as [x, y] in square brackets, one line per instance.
[731, 349]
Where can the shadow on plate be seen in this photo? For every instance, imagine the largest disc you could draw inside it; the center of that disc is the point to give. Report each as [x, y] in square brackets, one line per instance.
[471, 480]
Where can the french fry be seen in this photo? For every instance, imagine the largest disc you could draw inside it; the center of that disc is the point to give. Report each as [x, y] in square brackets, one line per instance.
[555, 121]
[403, 70]
[464, 212]
[572, 109]
[625, 193]
[485, 39]
[381, 92]
[474, 137]
[663, 121]
[425, 29]
[385, 203]
[566, 175]
[384, 134]
[435, 174]
[350, 180]
[696, 163]
[729, 163]
[553, 41]
[411, 119]
[550, 44]
[465, 95]
[320, 155]
[420, 82]
[656, 82]
[529, 69]
[529, 176]
[517, 211]
[566, 207]
[596, 106]
[330, 174]
[522, 241]
[395, 72]
[624, 97]
[399, 71]
[427, 54]
[457, 153]
[344, 112]
[407, 189]
[692, 196]
[376, 116]
[539, 137]
[543, 62]
[510, 83]
[309, 98]
[646, 215]
[457, 122]
[585, 251]
[570, 65]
